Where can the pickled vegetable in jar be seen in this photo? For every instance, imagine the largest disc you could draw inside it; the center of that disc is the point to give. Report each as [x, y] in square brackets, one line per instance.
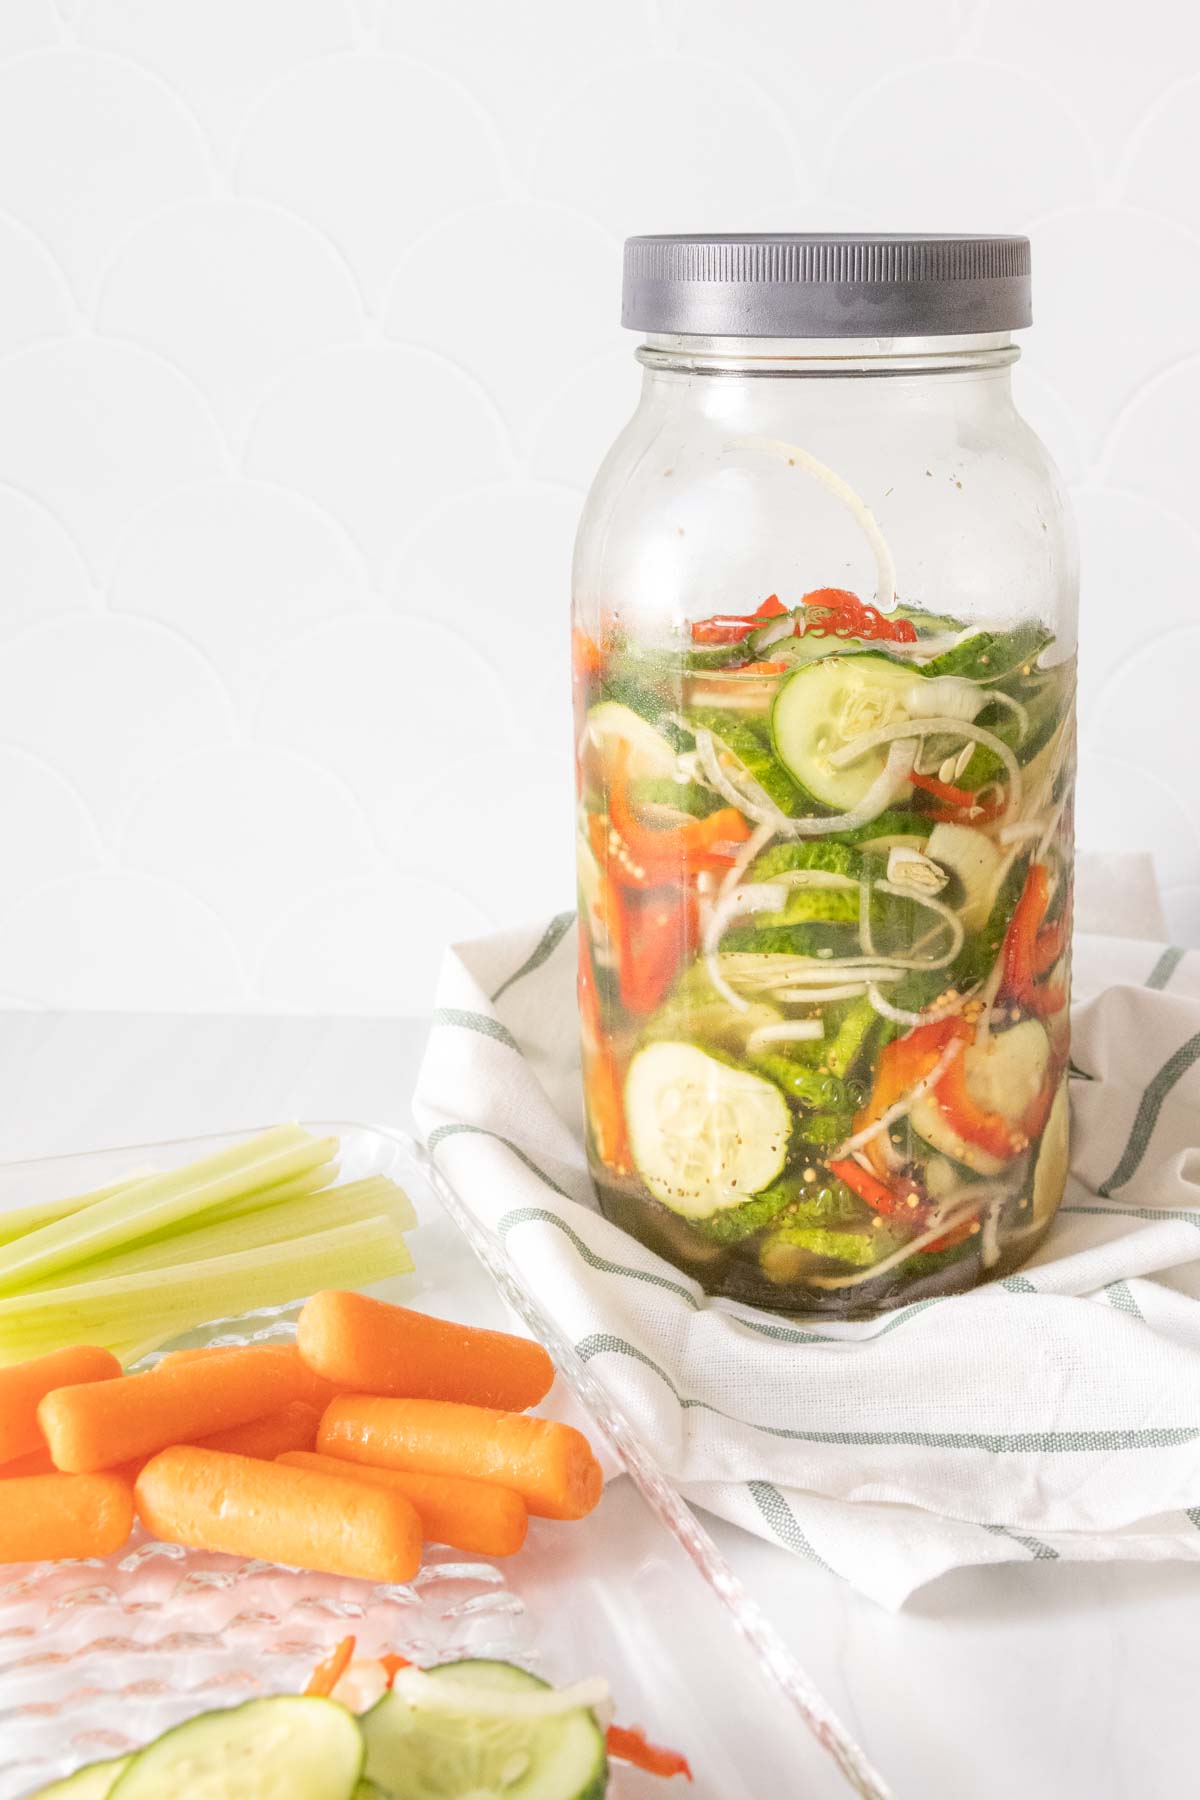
[824, 674]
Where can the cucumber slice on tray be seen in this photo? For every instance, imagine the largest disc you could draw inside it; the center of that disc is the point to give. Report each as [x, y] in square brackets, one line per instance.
[94, 1782]
[286, 1748]
[704, 1134]
[443, 1753]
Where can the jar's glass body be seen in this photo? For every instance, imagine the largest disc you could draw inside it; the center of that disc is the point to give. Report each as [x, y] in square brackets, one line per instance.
[825, 847]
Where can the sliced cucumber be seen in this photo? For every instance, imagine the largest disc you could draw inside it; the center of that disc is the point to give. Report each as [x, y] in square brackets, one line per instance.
[676, 795]
[830, 859]
[94, 1782]
[823, 707]
[974, 859]
[651, 757]
[285, 1748]
[441, 1754]
[704, 1135]
[1053, 1158]
[750, 745]
[1003, 1075]
[991, 655]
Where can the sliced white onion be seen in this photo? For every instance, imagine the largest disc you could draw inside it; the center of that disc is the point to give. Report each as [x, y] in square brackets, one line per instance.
[995, 697]
[900, 1015]
[957, 932]
[788, 1031]
[885, 568]
[820, 996]
[766, 635]
[865, 939]
[752, 800]
[755, 897]
[822, 973]
[887, 734]
[753, 847]
[952, 696]
[1019, 830]
[906, 1102]
[926, 648]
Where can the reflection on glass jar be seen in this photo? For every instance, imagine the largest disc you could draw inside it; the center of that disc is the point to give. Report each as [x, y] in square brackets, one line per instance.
[823, 650]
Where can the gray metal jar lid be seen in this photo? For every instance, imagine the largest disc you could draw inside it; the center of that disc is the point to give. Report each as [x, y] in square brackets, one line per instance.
[826, 284]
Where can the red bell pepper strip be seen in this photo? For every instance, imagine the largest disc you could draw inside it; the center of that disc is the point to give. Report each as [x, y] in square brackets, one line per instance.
[836, 612]
[988, 1131]
[327, 1674]
[942, 790]
[901, 1064]
[628, 1744]
[392, 1665]
[587, 658]
[881, 1198]
[1029, 942]
[658, 856]
[731, 628]
[657, 931]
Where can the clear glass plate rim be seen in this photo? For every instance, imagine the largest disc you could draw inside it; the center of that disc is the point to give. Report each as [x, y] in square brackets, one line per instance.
[664, 1500]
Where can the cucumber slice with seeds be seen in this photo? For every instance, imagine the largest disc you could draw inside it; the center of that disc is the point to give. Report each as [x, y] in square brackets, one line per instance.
[704, 1135]
[442, 1754]
[285, 1748]
[823, 707]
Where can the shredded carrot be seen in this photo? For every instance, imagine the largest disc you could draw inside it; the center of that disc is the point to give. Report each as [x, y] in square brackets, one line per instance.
[628, 1743]
[327, 1674]
[392, 1665]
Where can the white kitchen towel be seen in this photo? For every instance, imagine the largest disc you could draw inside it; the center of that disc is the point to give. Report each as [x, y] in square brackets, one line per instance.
[1052, 1414]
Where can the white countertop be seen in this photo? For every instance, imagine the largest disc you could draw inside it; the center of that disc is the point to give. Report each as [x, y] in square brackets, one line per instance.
[1049, 1681]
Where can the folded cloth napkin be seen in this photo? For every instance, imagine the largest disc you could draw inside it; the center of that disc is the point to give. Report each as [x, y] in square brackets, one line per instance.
[1052, 1414]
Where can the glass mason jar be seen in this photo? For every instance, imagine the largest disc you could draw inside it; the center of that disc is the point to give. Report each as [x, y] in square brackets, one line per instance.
[824, 667]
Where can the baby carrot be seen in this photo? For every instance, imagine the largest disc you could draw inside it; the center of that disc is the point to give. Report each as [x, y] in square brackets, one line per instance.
[550, 1465]
[468, 1515]
[309, 1386]
[24, 1384]
[293, 1427]
[213, 1501]
[38, 1462]
[45, 1517]
[366, 1346]
[112, 1422]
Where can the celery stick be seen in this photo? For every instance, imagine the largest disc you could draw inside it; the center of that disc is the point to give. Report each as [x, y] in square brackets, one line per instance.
[254, 1199]
[273, 1225]
[133, 1309]
[161, 1200]
[18, 1220]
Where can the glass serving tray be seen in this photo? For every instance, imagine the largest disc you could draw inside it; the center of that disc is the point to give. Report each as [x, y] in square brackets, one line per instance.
[97, 1657]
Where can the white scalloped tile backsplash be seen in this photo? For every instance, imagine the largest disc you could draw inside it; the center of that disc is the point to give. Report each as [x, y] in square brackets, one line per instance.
[287, 489]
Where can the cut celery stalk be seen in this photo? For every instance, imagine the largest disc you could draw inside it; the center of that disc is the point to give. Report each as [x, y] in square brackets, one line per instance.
[161, 1303]
[18, 1220]
[252, 1231]
[160, 1201]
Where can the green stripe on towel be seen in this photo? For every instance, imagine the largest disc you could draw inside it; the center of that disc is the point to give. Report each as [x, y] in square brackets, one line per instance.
[550, 939]
[1152, 1102]
[1165, 967]
[478, 1022]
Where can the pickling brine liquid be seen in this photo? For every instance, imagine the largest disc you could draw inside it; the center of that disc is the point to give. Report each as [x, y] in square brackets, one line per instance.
[825, 865]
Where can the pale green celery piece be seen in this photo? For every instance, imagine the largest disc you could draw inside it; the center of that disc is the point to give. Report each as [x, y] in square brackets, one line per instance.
[134, 1309]
[253, 1231]
[18, 1220]
[162, 1200]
